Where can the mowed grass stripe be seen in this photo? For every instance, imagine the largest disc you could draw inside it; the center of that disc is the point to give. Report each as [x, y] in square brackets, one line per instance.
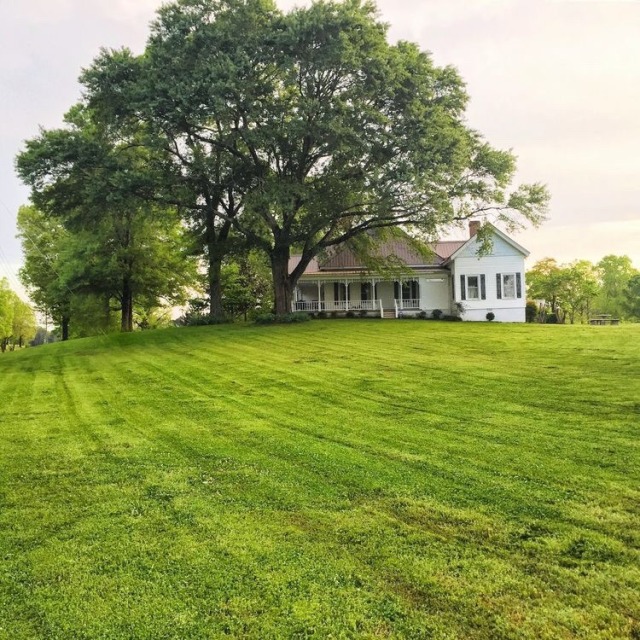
[337, 479]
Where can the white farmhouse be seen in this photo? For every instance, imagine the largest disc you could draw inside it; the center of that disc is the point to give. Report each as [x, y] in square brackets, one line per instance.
[454, 279]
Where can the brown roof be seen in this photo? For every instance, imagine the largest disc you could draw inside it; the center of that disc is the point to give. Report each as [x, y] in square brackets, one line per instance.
[343, 258]
[447, 248]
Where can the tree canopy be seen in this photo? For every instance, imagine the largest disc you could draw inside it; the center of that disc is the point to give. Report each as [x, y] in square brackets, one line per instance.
[101, 233]
[17, 320]
[303, 130]
[576, 290]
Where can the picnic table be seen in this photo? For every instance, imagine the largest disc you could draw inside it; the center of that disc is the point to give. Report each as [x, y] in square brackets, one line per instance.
[604, 318]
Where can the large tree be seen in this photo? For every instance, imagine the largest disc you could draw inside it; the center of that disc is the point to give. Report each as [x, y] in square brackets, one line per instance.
[546, 284]
[119, 245]
[567, 290]
[7, 298]
[46, 248]
[581, 287]
[307, 129]
[631, 304]
[614, 273]
[24, 323]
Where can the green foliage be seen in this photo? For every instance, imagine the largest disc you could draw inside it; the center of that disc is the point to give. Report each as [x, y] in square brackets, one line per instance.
[24, 323]
[631, 303]
[436, 314]
[202, 320]
[47, 249]
[286, 318]
[333, 479]
[17, 319]
[531, 311]
[568, 291]
[303, 129]
[110, 239]
[491, 316]
[246, 284]
[7, 308]
[265, 318]
[614, 274]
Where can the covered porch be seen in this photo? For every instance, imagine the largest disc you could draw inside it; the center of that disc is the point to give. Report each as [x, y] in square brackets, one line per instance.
[386, 298]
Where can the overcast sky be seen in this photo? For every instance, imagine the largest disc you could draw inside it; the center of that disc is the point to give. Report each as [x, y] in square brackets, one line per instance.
[556, 81]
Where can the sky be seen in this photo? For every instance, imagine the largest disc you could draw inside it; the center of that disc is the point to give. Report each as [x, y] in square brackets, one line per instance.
[555, 81]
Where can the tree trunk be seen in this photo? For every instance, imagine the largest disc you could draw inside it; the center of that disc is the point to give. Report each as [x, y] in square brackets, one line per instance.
[126, 322]
[282, 283]
[216, 250]
[216, 310]
[65, 328]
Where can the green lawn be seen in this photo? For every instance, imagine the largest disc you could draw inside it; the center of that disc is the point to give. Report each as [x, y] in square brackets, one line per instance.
[334, 479]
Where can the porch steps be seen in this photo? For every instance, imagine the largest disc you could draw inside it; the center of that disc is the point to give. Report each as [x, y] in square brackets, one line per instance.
[389, 313]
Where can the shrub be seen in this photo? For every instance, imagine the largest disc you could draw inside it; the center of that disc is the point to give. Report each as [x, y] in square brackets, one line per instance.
[530, 311]
[350, 314]
[451, 318]
[265, 318]
[296, 316]
[334, 314]
[490, 316]
[287, 318]
[197, 319]
[362, 313]
[422, 315]
[436, 314]
[551, 318]
[321, 315]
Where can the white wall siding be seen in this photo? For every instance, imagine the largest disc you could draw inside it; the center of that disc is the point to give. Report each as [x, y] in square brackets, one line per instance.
[435, 293]
[505, 310]
[514, 314]
[500, 249]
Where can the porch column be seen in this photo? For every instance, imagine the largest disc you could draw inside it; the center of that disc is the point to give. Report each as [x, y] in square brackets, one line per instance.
[319, 298]
[400, 293]
[346, 294]
[374, 300]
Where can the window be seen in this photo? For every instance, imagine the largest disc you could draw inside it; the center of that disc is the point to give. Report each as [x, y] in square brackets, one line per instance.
[473, 287]
[409, 288]
[339, 291]
[508, 286]
[365, 291]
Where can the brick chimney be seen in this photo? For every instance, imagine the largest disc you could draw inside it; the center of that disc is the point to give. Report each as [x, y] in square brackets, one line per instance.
[474, 225]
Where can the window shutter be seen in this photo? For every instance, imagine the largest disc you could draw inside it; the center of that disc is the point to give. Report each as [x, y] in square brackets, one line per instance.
[336, 291]
[499, 286]
[518, 285]
[483, 288]
[463, 291]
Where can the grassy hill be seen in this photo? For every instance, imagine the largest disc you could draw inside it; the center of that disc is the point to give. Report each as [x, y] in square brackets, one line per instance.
[337, 479]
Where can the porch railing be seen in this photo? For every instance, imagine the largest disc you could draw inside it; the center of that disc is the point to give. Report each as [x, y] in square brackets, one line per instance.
[307, 305]
[337, 305]
[408, 303]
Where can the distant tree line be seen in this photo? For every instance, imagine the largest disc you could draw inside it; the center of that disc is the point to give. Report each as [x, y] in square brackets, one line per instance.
[240, 135]
[579, 290]
[17, 319]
